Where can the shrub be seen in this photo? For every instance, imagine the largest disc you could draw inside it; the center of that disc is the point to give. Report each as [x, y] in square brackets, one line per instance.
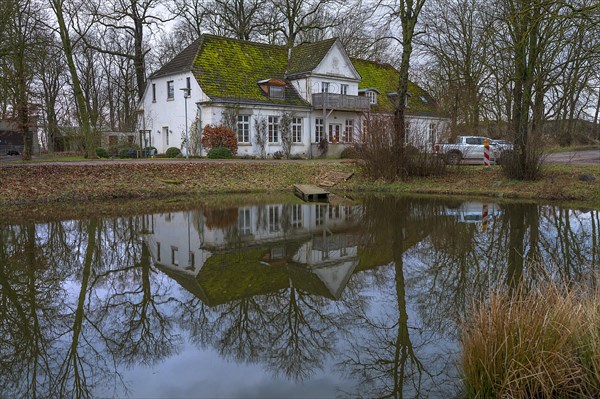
[530, 167]
[101, 153]
[323, 147]
[350, 153]
[124, 153]
[219, 153]
[219, 136]
[173, 152]
[388, 161]
[278, 155]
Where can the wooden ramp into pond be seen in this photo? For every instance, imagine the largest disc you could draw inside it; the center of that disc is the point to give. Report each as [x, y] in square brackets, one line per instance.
[308, 192]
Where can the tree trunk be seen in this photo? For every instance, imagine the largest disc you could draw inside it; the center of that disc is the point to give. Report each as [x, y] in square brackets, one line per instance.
[84, 115]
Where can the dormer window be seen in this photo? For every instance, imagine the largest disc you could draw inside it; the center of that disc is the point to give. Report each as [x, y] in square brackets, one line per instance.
[277, 92]
[406, 97]
[370, 93]
[274, 88]
[372, 97]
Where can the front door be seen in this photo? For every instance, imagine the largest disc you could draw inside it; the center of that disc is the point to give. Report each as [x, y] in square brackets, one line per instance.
[335, 130]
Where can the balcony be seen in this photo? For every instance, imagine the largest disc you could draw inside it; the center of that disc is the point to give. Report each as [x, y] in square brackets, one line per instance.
[340, 102]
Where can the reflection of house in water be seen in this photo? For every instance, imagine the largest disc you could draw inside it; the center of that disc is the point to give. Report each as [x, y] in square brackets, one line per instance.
[221, 255]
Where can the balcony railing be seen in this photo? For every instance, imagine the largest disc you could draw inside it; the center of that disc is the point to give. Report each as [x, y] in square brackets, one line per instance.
[340, 102]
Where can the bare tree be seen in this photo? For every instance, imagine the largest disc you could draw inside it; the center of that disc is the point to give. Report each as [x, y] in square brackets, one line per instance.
[128, 21]
[300, 17]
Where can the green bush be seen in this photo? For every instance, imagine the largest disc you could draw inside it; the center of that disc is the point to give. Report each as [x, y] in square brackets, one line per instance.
[173, 152]
[101, 153]
[124, 152]
[219, 153]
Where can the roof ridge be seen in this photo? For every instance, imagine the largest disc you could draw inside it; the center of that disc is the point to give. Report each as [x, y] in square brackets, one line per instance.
[233, 39]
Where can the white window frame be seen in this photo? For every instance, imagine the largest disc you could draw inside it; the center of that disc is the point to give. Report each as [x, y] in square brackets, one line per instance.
[296, 130]
[243, 129]
[273, 129]
[244, 222]
[372, 97]
[274, 219]
[297, 216]
[319, 129]
[344, 89]
[325, 86]
[170, 90]
[348, 135]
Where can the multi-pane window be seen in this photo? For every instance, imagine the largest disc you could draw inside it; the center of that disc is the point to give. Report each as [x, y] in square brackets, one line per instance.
[243, 128]
[344, 89]
[296, 130]
[319, 130]
[432, 132]
[349, 131]
[297, 216]
[244, 222]
[372, 97]
[170, 90]
[274, 219]
[320, 215]
[324, 87]
[273, 129]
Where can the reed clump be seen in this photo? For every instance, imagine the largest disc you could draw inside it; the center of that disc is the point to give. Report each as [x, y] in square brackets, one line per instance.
[541, 343]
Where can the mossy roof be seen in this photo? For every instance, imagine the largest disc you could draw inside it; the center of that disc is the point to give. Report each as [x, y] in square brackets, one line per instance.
[384, 78]
[306, 57]
[182, 62]
[229, 70]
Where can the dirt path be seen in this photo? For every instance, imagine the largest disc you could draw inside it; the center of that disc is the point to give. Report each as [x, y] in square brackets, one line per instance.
[589, 157]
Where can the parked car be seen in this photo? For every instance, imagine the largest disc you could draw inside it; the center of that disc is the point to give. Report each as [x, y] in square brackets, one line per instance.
[12, 152]
[465, 148]
[502, 148]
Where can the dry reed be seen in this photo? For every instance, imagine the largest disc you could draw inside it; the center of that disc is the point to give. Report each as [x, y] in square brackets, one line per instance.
[543, 343]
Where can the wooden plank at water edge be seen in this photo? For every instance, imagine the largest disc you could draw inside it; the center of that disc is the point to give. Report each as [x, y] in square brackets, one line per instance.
[308, 192]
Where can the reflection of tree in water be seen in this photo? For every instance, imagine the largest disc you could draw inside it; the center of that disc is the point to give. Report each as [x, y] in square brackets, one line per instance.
[384, 357]
[59, 341]
[29, 297]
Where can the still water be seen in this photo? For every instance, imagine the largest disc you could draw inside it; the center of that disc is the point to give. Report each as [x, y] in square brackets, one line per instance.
[362, 299]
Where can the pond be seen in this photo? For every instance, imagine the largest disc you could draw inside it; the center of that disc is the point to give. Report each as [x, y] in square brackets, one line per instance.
[362, 298]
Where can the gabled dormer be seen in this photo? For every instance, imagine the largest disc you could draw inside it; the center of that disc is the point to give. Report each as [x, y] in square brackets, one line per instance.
[324, 75]
[273, 88]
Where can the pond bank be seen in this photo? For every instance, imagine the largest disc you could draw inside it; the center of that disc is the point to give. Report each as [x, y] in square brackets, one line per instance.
[48, 183]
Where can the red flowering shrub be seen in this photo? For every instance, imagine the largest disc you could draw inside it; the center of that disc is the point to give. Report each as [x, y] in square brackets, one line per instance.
[219, 136]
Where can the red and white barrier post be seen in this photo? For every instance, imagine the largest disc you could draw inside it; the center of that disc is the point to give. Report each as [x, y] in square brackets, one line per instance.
[486, 153]
[484, 217]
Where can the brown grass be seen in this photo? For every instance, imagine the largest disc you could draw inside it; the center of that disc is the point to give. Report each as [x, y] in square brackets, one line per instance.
[543, 343]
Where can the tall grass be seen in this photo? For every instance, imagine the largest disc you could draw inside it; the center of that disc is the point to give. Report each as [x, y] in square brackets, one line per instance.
[543, 343]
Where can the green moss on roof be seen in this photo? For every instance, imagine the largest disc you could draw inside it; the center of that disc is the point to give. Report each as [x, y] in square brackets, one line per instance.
[229, 69]
[240, 274]
[384, 78]
[307, 57]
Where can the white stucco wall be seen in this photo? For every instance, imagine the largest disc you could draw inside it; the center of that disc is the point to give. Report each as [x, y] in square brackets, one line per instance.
[168, 115]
